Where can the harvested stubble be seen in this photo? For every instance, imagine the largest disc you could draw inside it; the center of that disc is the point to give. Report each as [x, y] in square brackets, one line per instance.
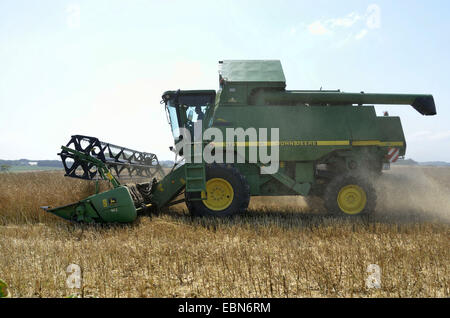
[274, 250]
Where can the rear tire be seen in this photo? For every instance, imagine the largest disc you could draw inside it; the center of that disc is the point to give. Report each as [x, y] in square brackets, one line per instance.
[228, 193]
[350, 195]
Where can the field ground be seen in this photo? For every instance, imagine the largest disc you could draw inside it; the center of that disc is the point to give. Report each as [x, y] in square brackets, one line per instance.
[280, 248]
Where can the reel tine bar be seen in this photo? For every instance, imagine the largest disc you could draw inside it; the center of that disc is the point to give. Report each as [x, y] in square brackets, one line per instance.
[123, 162]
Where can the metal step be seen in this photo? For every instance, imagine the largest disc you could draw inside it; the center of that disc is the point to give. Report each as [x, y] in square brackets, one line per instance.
[195, 177]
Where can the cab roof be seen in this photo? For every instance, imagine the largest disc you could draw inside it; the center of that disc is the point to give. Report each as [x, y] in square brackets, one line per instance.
[252, 71]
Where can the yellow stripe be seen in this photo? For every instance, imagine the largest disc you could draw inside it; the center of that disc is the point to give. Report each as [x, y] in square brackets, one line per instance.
[334, 143]
[366, 143]
[312, 143]
[392, 143]
[378, 143]
[285, 143]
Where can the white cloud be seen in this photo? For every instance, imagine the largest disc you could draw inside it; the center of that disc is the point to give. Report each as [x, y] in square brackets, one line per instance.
[325, 27]
[343, 41]
[345, 22]
[345, 26]
[317, 28]
[361, 34]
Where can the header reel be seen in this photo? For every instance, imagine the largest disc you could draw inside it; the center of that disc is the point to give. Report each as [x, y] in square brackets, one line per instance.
[124, 163]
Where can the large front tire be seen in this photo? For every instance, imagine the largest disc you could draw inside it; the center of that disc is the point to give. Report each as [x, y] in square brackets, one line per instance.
[350, 195]
[227, 192]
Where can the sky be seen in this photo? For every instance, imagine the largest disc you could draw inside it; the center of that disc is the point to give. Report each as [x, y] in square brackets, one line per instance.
[99, 68]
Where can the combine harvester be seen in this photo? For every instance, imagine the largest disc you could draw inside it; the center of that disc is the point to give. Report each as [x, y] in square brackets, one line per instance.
[331, 144]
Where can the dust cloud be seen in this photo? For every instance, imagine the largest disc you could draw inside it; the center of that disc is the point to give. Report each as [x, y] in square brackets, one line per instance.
[417, 192]
[405, 194]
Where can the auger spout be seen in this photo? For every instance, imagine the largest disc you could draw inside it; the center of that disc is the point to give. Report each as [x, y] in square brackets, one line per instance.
[424, 104]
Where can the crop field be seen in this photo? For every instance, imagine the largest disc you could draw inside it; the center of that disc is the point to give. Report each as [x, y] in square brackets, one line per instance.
[280, 248]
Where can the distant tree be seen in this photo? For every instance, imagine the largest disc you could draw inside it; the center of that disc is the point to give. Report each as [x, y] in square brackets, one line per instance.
[5, 168]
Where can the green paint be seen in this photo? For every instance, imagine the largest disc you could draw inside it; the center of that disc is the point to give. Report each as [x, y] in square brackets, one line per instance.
[169, 187]
[114, 205]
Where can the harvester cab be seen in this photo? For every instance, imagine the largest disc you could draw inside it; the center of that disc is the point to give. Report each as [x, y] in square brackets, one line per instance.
[184, 108]
[329, 144]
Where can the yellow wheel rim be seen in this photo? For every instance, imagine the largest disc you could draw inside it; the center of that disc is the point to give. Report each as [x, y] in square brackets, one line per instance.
[220, 194]
[352, 199]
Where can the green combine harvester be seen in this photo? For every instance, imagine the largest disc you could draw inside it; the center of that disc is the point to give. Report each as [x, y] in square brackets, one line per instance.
[329, 144]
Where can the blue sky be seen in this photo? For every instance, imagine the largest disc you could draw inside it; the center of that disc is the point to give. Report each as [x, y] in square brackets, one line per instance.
[99, 67]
